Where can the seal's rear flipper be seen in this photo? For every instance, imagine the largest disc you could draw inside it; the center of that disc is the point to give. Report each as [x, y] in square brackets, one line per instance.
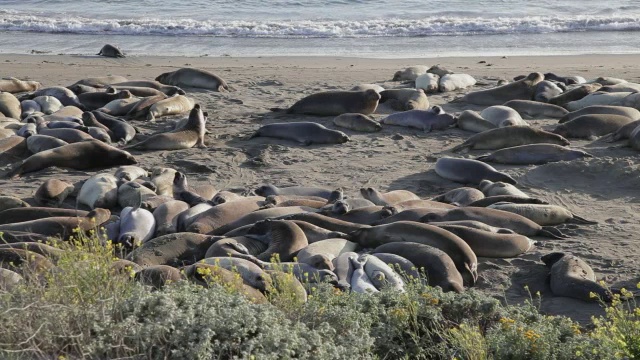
[551, 232]
[580, 220]
[280, 110]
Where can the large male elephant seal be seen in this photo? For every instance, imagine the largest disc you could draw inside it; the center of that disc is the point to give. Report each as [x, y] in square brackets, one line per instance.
[517, 90]
[570, 276]
[305, 133]
[186, 137]
[536, 154]
[509, 136]
[194, 78]
[591, 126]
[334, 103]
[111, 51]
[467, 171]
[13, 85]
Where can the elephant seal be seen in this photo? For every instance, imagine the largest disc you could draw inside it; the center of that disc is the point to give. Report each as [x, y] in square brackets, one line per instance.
[168, 90]
[334, 103]
[389, 198]
[364, 87]
[360, 282]
[502, 116]
[491, 244]
[570, 276]
[130, 173]
[428, 82]
[546, 90]
[452, 82]
[9, 105]
[438, 267]
[634, 139]
[537, 109]
[66, 96]
[381, 274]
[517, 90]
[166, 216]
[52, 193]
[629, 112]
[111, 51]
[181, 191]
[158, 276]
[13, 85]
[605, 80]
[403, 267]
[96, 100]
[186, 137]
[489, 200]
[121, 131]
[468, 171]
[23, 214]
[305, 133]
[11, 202]
[120, 107]
[137, 226]
[223, 214]
[142, 107]
[79, 156]
[325, 222]
[343, 206]
[543, 214]
[410, 73]
[177, 250]
[163, 179]
[194, 78]
[285, 239]
[40, 143]
[509, 136]
[258, 215]
[460, 197]
[251, 273]
[405, 99]
[598, 98]
[470, 120]
[130, 192]
[29, 107]
[13, 148]
[425, 120]
[497, 218]
[567, 80]
[61, 226]
[343, 269]
[49, 252]
[591, 126]
[320, 254]
[409, 231]
[101, 81]
[27, 130]
[99, 191]
[357, 122]
[316, 233]
[65, 134]
[490, 188]
[366, 215]
[574, 94]
[174, 105]
[439, 70]
[536, 154]
[624, 87]
[24, 262]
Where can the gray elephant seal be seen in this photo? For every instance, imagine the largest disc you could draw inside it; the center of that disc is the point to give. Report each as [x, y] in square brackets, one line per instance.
[186, 137]
[360, 281]
[405, 268]
[270, 189]
[11, 202]
[23, 214]
[591, 126]
[490, 188]
[574, 94]
[629, 112]
[101, 81]
[468, 171]
[405, 99]
[39, 143]
[285, 239]
[143, 107]
[178, 249]
[111, 51]
[120, 130]
[570, 276]
[174, 105]
[410, 73]
[29, 107]
[357, 122]
[460, 197]
[166, 215]
[64, 95]
[425, 120]
[502, 116]
[537, 109]
[9, 105]
[13, 85]
[320, 254]
[543, 214]
[508, 137]
[600, 98]
[53, 192]
[96, 100]
[470, 120]
[305, 133]
[80, 156]
[387, 199]
[194, 78]
[546, 90]
[491, 244]
[490, 200]
[334, 103]
[517, 90]
[536, 154]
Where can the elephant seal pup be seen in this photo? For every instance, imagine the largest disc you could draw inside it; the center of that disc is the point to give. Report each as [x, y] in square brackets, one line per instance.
[460, 197]
[334, 103]
[438, 267]
[425, 120]
[223, 214]
[177, 250]
[381, 274]
[405, 99]
[409, 231]
[23, 214]
[452, 82]
[491, 244]
[52, 193]
[29, 107]
[591, 126]
[570, 276]
[537, 109]
[389, 198]
[79, 156]
[111, 51]
[410, 73]
[502, 116]
[66, 96]
[403, 267]
[598, 98]
[360, 281]
[490, 188]
[343, 268]
[137, 226]
[428, 82]
[166, 216]
[174, 105]
[574, 94]
[536, 154]
[194, 78]
[99, 191]
[9, 105]
[543, 214]
[62, 226]
[629, 112]
[490, 200]
[357, 122]
[285, 239]
[497, 218]
[470, 120]
[517, 90]
[468, 171]
[546, 90]
[321, 254]
[305, 133]
[186, 137]
[158, 276]
[13, 85]
[509, 136]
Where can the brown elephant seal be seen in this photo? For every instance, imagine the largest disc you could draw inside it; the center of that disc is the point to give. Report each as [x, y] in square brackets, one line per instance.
[629, 112]
[270, 189]
[490, 200]
[467, 171]
[460, 197]
[186, 137]
[222, 214]
[163, 178]
[570, 276]
[334, 103]
[509, 136]
[491, 188]
[62, 226]
[53, 192]
[158, 276]
[453, 82]
[142, 107]
[409, 231]
[258, 215]
[325, 222]
[182, 192]
[320, 254]
[177, 250]
[591, 126]
[502, 116]
[194, 78]
[425, 120]
[13, 148]
[472, 224]
[124, 268]
[166, 215]
[50, 252]
[497, 218]
[491, 244]
[101, 81]
[24, 262]
[357, 122]
[79, 156]
[304, 133]
[535, 154]
[243, 247]
[284, 237]
[366, 215]
[410, 73]
[624, 132]
[543, 214]
[96, 100]
[470, 120]
[518, 90]
[168, 90]
[174, 105]
[120, 107]
[10, 105]
[546, 90]
[389, 198]
[120, 130]
[11, 202]
[574, 94]
[8, 237]
[405, 99]
[439, 70]
[111, 51]
[414, 214]
[224, 196]
[537, 109]
[99, 191]
[13, 85]
[438, 267]
[23, 214]
[251, 273]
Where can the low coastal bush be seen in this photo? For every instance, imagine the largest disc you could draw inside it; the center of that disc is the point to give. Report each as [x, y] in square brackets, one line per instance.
[82, 309]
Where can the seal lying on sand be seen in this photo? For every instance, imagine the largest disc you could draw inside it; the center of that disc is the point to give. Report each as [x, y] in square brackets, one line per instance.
[468, 171]
[194, 78]
[334, 103]
[186, 137]
[517, 90]
[111, 51]
[305, 133]
[571, 277]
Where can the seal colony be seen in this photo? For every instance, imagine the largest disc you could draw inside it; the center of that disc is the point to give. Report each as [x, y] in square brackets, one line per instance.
[470, 214]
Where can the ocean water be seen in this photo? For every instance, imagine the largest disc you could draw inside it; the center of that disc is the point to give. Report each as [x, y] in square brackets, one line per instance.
[363, 28]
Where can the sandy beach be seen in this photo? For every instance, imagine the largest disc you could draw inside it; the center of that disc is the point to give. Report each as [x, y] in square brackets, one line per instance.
[603, 188]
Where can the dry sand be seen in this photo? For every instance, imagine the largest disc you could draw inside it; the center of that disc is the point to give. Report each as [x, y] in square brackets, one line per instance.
[604, 188]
